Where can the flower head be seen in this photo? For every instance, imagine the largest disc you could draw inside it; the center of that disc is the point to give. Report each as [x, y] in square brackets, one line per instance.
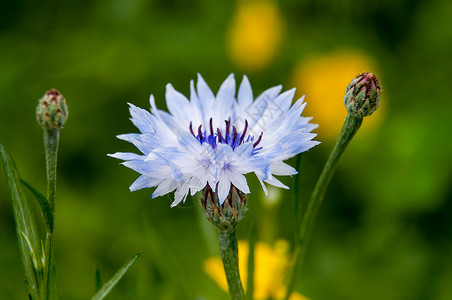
[362, 95]
[216, 140]
[51, 111]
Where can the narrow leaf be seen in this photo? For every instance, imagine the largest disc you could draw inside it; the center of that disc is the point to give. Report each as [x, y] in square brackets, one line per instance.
[43, 203]
[296, 191]
[112, 282]
[27, 234]
[98, 281]
[250, 280]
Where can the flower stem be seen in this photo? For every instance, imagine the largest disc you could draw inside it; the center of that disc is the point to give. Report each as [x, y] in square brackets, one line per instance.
[51, 140]
[350, 127]
[230, 257]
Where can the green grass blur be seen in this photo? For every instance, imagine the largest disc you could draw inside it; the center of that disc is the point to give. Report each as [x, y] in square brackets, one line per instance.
[385, 229]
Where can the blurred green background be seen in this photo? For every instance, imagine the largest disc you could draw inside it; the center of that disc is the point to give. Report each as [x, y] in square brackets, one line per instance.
[385, 229]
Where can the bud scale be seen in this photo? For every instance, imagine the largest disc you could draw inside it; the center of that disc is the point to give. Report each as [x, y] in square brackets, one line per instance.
[227, 214]
[362, 95]
[52, 111]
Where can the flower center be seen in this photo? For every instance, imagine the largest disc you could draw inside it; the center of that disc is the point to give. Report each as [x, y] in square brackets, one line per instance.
[229, 137]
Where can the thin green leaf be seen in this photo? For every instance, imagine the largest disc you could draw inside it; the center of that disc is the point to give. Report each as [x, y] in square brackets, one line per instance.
[250, 280]
[103, 292]
[97, 279]
[27, 233]
[43, 203]
[296, 191]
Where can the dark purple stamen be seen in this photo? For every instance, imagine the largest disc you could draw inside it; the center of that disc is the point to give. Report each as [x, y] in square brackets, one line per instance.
[258, 140]
[228, 125]
[220, 138]
[234, 135]
[211, 127]
[244, 132]
[191, 128]
[233, 139]
[200, 132]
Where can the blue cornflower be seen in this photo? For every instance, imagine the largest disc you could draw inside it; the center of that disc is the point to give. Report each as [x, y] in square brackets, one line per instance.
[215, 140]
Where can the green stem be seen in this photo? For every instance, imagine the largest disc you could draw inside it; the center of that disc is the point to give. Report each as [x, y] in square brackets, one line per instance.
[350, 127]
[49, 269]
[230, 257]
[51, 139]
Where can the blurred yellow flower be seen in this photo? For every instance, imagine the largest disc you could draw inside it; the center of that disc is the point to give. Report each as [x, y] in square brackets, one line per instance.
[323, 80]
[254, 34]
[271, 265]
[274, 197]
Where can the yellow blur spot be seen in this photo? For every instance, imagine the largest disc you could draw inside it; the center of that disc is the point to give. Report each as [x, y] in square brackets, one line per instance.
[254, 34]
[274, 197]
[323, 80]
[271, 266]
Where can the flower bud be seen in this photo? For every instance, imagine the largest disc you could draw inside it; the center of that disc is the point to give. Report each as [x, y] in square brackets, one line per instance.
[362, 95]
[52, 110]
[227, 214]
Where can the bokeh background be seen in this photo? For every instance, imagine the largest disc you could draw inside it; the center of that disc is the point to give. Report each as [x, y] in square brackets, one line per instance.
[385, 229]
